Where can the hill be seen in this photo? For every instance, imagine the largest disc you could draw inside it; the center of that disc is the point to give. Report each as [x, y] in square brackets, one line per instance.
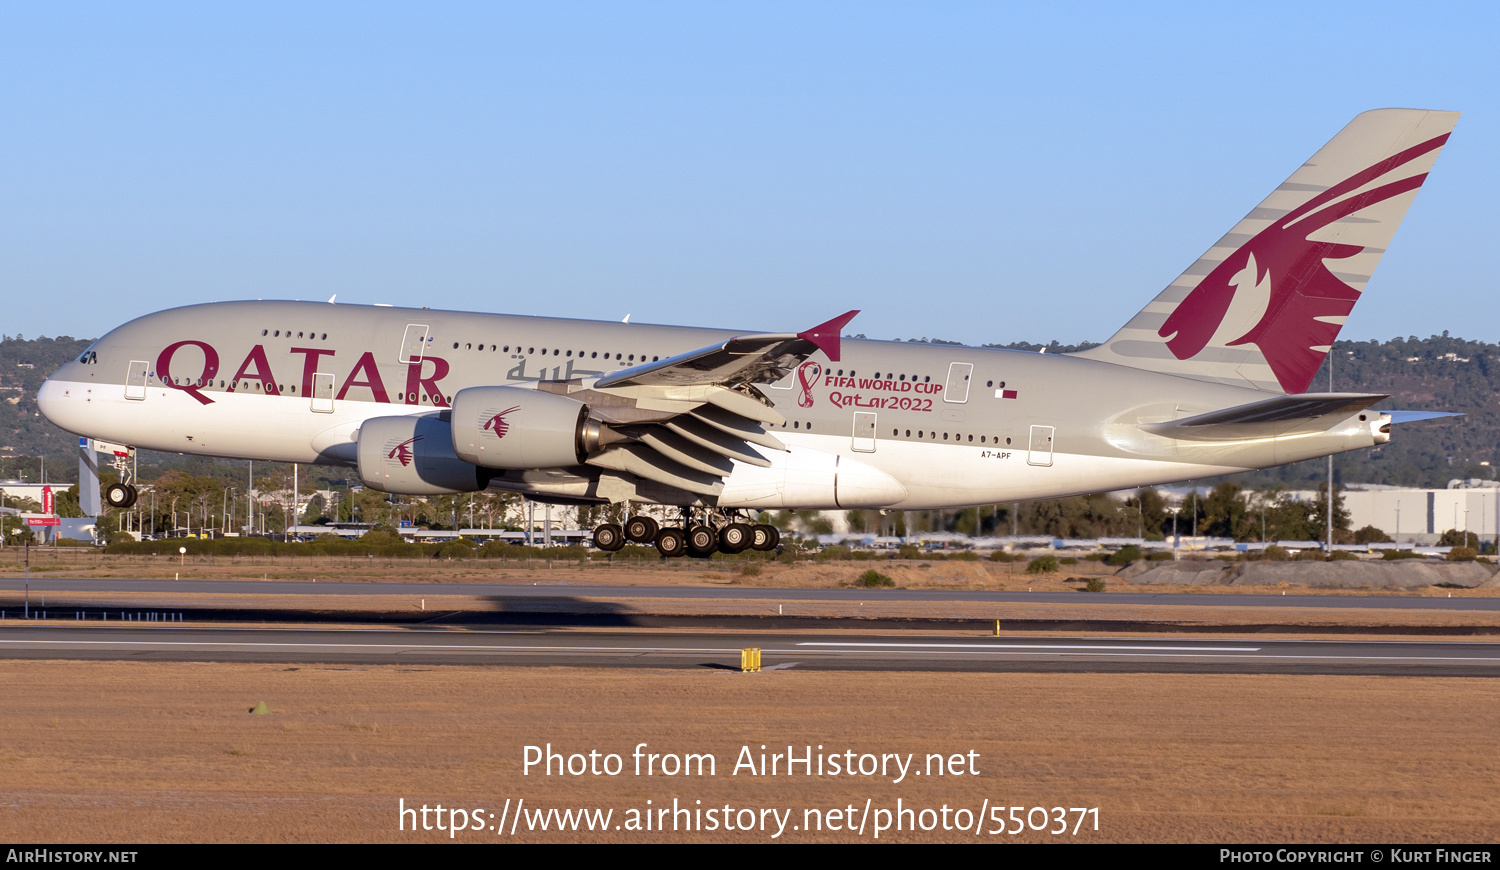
[1439, 373]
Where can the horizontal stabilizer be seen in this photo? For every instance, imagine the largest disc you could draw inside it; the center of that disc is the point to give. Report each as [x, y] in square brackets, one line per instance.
[1416, 416]
[1270, 418]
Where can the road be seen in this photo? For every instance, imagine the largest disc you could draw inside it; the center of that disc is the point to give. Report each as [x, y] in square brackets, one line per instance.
[40, 584]
[721, 650]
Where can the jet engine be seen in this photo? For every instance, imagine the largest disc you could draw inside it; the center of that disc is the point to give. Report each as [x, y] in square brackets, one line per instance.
[509, 427]
[414, 456]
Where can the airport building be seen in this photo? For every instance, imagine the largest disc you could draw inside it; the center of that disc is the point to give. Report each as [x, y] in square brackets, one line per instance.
[1422, 515]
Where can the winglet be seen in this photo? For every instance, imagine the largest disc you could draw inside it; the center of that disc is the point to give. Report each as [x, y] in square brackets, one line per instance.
[826, 335]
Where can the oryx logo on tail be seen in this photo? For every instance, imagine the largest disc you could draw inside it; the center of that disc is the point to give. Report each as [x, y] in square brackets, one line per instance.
[402, 452]
[1278, 288]
[498, 423]
[1263, 305]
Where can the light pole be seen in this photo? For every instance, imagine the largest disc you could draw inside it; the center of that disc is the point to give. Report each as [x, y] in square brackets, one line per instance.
[28, 571]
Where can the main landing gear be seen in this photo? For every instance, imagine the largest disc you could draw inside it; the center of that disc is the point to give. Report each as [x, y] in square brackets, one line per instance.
[712, 531]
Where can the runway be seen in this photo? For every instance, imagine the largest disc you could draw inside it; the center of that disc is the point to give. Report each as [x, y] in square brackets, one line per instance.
[41, 583]
[721, 650]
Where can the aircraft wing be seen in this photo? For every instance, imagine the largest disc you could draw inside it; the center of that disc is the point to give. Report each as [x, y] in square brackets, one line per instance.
[681, 422]
[1270, 418]
[747, 359]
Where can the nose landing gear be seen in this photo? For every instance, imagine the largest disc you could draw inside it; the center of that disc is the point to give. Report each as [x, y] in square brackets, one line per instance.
[120, 495]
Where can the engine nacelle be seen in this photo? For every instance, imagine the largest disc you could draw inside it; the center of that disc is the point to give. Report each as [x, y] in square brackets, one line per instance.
[510, 427]
[414, 456]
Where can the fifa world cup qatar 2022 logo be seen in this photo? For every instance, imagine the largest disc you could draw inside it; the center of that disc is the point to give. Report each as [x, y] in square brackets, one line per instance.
[807, 377]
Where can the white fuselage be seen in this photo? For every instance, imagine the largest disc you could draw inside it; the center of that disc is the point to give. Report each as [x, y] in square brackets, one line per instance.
[887, 426]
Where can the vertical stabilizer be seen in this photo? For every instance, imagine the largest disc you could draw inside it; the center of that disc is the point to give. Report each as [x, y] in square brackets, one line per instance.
[1263, 306]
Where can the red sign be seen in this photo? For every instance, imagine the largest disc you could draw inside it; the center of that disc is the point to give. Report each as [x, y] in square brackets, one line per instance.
[43, 521]
[46, 499]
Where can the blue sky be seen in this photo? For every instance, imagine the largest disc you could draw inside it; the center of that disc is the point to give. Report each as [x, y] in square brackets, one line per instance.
[975, 172]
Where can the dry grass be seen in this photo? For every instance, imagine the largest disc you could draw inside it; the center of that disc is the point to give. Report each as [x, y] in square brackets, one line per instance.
[110, 752]
[911, 574]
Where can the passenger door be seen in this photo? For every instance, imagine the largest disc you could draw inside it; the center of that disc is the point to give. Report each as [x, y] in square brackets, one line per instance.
[1039, 451]
[414, 343]
[864, 432]
[956, 390]
[322, 393]
[135, 379]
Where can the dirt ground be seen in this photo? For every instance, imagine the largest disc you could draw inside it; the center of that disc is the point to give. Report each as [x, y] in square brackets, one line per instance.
[133, 752]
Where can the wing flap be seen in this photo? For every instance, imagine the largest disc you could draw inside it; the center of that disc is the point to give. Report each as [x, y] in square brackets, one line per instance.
[738, 426]
[722, 443]
[679, 449]
[641, 461]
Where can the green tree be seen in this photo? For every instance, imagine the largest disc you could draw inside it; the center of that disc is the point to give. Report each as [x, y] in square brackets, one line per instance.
[1371, 535]
[1318, 513]
[1288, 519]
[1455, 538]
[1225, 514]
[1153, 511]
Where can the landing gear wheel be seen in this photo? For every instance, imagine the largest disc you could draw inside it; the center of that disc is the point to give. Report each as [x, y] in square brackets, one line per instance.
[764, 537]
[609, 537]
[641, 530]
[133, 495]
[118, 495]
[670, 543]
[735, 538]
[701, 541]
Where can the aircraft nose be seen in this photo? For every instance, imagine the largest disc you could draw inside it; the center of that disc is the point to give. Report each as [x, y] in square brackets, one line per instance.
[59, 404]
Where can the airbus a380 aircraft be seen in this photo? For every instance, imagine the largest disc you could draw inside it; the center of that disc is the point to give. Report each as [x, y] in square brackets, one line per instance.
[1208, 379]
